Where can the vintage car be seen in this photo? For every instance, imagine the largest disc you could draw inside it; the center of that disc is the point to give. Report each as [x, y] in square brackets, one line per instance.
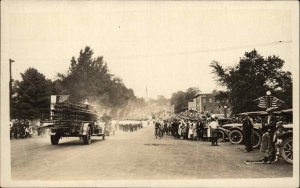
[286, 116]
[236, 136]
[286, 149]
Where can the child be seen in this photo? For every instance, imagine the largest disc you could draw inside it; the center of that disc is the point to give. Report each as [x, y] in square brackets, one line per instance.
[278, 139]
[266, 147]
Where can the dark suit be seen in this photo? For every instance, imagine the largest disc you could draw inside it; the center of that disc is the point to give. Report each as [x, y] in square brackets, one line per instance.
[247, 133]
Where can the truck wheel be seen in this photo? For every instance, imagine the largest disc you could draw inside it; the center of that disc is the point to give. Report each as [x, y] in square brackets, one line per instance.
[256, 139]
[55, 139]
[235, 137]
[286, 150]
[221, 136]
[87, 139]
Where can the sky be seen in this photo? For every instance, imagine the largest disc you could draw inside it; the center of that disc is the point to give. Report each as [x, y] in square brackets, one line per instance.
[162, 46]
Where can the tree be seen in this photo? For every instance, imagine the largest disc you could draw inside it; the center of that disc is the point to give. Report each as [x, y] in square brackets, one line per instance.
[32, 96]
[180, 99]
[251, 78]
[89, 78]
[162, 100]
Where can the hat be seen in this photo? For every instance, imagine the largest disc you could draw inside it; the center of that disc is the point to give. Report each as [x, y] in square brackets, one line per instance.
[272, 109]
[279, 124]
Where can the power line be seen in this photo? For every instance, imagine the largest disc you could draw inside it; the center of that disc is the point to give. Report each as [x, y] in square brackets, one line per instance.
[209, 50]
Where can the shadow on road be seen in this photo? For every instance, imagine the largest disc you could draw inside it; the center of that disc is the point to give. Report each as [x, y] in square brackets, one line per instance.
[78, 142]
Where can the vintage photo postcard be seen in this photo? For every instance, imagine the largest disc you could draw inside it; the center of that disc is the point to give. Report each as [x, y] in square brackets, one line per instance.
[149, 93]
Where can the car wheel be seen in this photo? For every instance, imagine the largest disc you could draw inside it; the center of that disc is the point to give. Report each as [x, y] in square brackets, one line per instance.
[256, 139]
[286, 151]
[54, 139]
[235, 137]
[221, 136]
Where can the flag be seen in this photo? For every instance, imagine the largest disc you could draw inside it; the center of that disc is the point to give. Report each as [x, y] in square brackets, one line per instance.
[62, 98]
[276, 102]
[262, 102]
[268, 101]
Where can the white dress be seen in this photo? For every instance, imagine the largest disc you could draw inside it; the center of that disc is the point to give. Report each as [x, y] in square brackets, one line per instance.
[208, 131]
[190, 131]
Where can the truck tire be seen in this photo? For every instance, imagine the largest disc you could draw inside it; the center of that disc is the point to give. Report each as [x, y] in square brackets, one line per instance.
[286, 150]
[87, 139]
[55, 139]
[235, 136]
[256, 139]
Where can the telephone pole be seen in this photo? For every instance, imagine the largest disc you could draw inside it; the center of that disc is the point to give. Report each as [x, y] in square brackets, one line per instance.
[10, 89]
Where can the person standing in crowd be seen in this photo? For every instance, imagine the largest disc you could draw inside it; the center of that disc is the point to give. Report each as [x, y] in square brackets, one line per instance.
[190, 130]
[27, 129]
[271, 124]
[247, 132]
[179, 129]
[186, 130]
[195, 130]
[165, 131]
[183, 129]
[157, 127]
[213, 126]
[201, 129]
[16, 129]
[277, 139]
[208, 134]
[198, 130]
[176, 129]
[30, 130]
[266, 147]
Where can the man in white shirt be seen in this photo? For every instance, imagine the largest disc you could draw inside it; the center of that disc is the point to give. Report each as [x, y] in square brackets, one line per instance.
[213, 125]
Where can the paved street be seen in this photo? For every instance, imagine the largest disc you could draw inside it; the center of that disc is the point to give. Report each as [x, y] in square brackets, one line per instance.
[132, 156]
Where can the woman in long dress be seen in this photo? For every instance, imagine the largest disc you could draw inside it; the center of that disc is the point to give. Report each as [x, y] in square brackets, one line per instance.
[179, 129]
[191, 127]
[195, 130]
[208, 130]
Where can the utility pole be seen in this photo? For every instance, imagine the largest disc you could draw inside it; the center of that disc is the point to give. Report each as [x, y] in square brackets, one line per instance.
[10, 89]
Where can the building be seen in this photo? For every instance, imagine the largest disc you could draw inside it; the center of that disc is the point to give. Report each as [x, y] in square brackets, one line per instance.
[192, 105]
[206, 103]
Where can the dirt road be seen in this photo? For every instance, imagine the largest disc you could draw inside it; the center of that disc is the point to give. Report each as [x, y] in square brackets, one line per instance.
[133, 156]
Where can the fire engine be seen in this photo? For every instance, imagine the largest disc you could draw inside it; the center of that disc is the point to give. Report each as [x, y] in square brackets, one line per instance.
[73, 120]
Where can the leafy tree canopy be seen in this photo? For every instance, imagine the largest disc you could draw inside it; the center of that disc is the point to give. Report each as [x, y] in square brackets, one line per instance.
[89, 78]
[180, 99]
[251, 78]
[31, 96]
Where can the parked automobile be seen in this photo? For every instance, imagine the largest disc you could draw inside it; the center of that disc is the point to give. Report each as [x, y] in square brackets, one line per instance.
[236, 133]
[286, 150]
[236, 136]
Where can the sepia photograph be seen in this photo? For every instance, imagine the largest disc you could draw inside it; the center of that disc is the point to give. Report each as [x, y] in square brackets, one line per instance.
[149, 93]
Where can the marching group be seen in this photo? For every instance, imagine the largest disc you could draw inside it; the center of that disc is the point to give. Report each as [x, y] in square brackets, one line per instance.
[129, 125]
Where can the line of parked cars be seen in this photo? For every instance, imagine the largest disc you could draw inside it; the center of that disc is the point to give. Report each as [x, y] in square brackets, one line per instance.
[232, 131]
